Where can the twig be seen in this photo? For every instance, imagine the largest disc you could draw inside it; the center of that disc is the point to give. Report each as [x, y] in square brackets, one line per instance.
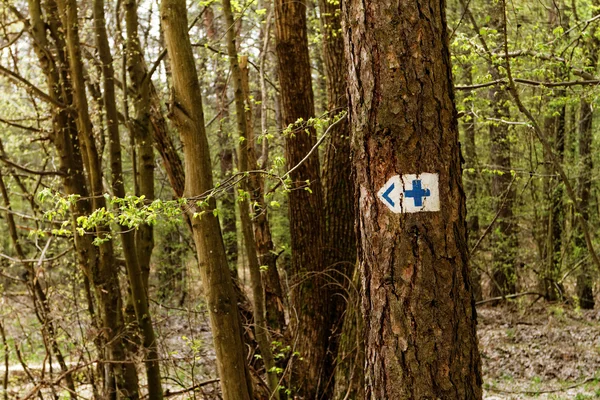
[510, 296]
[535, 392]
[489, 227]
[190, 389]
[314, 148]
[28, 170]
[19, 79]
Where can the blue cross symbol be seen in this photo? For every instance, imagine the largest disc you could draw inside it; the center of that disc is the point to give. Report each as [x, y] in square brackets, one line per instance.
[417, 193]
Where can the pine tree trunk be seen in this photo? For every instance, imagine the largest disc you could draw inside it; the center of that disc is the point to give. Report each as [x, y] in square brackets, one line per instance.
[187, 115]
[417, 299]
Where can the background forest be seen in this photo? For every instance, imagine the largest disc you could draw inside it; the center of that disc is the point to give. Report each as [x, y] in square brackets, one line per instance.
[112, 191]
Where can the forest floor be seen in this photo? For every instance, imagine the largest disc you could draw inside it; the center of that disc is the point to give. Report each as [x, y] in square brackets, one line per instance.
[529, 351]
[539, 351]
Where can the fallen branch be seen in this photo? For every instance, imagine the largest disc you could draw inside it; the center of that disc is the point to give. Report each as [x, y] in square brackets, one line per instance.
[190, 389]
[536, 392]
[508, 297]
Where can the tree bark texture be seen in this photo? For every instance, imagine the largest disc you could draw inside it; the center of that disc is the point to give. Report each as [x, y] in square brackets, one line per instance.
[417, 303]
[187, 115]
[309, 299]
[340, 239]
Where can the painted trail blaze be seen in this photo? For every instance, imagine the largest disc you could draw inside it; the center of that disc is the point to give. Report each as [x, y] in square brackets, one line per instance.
[411, 193]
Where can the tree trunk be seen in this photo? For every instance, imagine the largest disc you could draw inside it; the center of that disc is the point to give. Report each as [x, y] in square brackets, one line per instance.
[340, 239]
[504, 240]
[187, 115]
[417, 299]
[551, 274]
[100, 263]
[555, 130]
[471, 186]
[585, 291]
[349, 374]
[309, 299]
[246, 157]
[274, 298]
[224, 139]
[585, 283]
[135, 262]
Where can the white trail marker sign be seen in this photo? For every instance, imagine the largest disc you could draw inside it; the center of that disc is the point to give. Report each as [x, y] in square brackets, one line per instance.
[411, 193]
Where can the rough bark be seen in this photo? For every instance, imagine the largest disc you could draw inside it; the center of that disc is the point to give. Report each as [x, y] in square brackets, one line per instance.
[187, 115]
[417, 299]
[340, 239]
[309, 299]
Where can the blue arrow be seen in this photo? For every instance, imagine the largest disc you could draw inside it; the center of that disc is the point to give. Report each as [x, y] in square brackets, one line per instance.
[386, 195]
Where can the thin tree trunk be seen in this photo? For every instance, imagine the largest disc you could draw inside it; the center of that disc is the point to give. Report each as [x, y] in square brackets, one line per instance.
[187, 115]
[65, 138]
[417, 299]
[105, 277]
[504, 240]
[585, 282]
[551, 288]
[274, 303]
[246, 157]
[164, 144]
[136, 274]
[555, 129]
[224, 139]
[139, 127]
[274, 298]
[471, 186]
